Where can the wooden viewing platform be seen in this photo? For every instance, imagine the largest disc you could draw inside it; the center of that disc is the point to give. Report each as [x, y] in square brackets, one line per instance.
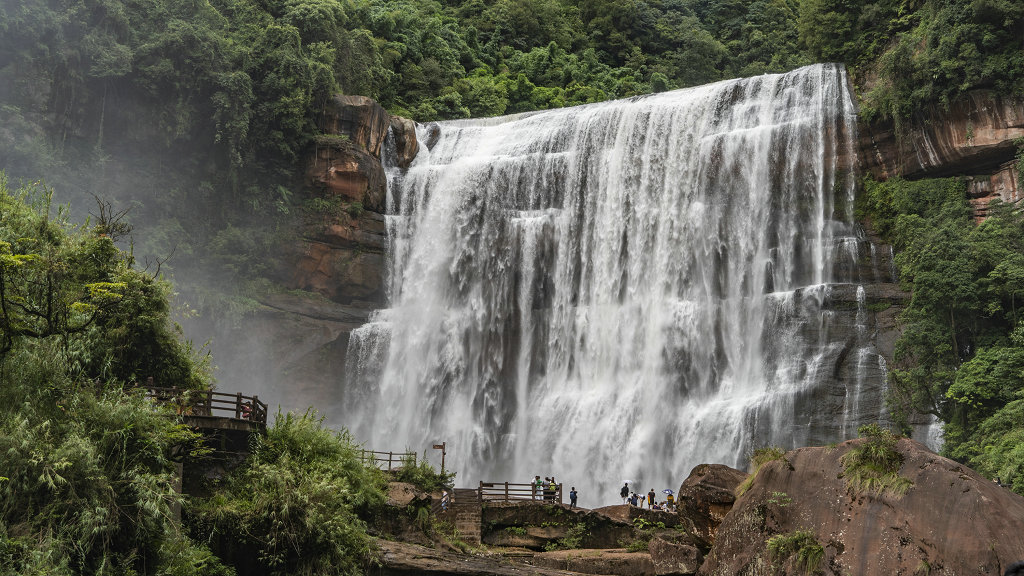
[509, 492]
[214, 410]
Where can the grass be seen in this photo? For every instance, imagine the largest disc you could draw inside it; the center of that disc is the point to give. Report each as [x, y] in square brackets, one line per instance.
[761, 457]
[801, 544]
[873, 466]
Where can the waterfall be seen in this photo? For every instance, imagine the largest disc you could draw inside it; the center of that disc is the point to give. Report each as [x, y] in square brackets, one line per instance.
[623, 289]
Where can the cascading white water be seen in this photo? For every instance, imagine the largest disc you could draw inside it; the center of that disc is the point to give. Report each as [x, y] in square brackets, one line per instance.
[618, 290]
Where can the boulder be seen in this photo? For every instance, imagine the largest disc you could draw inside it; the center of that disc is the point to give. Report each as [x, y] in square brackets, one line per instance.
[707, 495]
[673, 558]
[359, 118]
[951, 521]
[403, 131]
[974, 135]
[618, 562]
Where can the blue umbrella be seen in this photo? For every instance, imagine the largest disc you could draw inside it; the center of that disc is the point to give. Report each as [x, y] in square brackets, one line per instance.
[667, 491]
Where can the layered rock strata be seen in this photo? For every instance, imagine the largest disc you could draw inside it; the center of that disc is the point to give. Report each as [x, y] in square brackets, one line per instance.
[974, 135]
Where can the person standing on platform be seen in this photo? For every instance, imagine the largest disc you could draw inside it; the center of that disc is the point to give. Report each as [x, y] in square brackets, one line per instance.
[572, 498]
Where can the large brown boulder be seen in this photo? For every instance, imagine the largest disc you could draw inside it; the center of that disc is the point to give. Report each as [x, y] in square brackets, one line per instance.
[403, 131]
[974, 135]
[707, 495]
[951, 521]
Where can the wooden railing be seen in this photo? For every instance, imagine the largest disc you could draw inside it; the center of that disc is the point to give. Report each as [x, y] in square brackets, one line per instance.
[391, 459]
[508, 492]
[210, 403]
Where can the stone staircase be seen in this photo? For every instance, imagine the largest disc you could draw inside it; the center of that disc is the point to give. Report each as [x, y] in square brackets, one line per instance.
[467, 510]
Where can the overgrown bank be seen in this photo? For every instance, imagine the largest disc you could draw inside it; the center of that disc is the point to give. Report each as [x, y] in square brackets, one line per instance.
[960, 357]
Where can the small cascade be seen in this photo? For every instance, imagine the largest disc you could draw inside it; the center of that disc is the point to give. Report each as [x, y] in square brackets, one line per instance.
[624, 289]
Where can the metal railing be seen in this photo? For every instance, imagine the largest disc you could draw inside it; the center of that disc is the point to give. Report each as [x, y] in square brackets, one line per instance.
[210, 403]
[509, 492]
[391, 459]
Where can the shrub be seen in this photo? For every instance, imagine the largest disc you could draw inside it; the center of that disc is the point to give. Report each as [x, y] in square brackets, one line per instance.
[873, 466]
[292, 509]
[423, 475]
[801, 545]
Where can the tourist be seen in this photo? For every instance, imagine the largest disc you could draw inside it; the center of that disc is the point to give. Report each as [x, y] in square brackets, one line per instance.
[634, 499]
[536, 486]
[572, 498]
[671, 502]
[444, 500]
[624, 492]
[650, 498]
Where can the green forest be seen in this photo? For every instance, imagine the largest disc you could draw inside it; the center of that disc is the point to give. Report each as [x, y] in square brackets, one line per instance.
[190, 120]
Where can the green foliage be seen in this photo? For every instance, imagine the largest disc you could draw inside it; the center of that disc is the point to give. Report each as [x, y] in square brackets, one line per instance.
[873, 466]
[293, 508]
[72, 289]
[961, 353]
[573, 538]
[423, 475]
[801, 546]
[88, 486]
[760, 457]
[516, 530]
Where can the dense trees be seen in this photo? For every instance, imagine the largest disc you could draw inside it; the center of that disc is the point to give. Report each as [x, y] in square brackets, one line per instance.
[961, 354]
[87, 483]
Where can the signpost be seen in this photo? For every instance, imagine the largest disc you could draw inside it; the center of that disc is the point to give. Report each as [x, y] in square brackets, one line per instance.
[444, 451]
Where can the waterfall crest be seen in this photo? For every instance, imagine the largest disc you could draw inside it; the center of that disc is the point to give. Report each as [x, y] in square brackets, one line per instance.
[620, 290]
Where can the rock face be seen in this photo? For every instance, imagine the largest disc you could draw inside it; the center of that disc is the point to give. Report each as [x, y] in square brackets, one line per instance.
[952, 521]
[674, 559]
[342, 258]
[398, 558]
[339, 168]
[1004, 184]
[534, 526]
[974, 136]
[618, 562]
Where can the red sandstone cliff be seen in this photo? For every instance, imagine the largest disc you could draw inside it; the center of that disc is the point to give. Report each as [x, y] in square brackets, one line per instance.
[974, 137]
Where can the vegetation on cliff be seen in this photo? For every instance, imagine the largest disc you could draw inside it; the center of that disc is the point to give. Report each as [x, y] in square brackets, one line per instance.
[960, 357]
[87, 485]
[88, 478]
